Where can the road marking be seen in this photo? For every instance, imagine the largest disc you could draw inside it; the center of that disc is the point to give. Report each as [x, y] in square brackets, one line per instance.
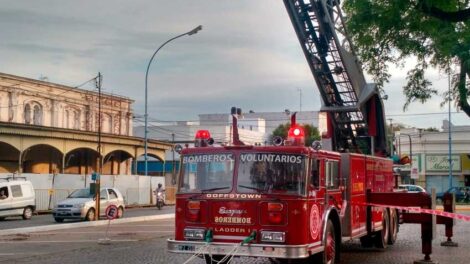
[95, 232]
[66, 241]
[116, 226]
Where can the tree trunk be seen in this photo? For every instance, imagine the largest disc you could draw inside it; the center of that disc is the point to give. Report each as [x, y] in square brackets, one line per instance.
[462, 86]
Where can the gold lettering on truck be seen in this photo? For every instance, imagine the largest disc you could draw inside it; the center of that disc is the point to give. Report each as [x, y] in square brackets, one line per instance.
[232, 220]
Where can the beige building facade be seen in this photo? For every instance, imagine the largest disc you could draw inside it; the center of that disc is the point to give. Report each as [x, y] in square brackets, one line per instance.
[28, 101]
[52, 128]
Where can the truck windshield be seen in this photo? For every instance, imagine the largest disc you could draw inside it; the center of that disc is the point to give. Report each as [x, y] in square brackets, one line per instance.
[207, 173]
[271, 173]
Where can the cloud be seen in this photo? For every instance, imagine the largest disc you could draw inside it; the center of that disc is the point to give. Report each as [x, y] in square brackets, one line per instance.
[247, 54]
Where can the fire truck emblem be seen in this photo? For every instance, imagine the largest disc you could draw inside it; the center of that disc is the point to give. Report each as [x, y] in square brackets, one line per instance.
[314, 222]
[231, 212]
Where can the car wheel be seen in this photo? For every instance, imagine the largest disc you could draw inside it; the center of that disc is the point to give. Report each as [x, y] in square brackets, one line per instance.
[120, 212]
[90, 215]
[27, 213]
[59, 220]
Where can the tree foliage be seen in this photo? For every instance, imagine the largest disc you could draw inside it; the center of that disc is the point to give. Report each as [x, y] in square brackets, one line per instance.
[311, 133]
[435, 32]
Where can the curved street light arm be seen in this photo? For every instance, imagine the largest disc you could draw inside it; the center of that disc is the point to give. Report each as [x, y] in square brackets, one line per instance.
[189, 33]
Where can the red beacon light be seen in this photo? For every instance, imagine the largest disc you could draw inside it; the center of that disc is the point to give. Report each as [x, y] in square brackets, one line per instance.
[203, 138]
[296, 136]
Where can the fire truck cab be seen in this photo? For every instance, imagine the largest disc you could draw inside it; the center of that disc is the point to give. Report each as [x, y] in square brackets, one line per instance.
[285, 202]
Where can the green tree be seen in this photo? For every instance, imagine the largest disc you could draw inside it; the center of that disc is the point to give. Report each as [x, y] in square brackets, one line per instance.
[311, 133]
[435, 32]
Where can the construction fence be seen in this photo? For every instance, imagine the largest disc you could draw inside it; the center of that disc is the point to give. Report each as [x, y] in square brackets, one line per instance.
[53, 188]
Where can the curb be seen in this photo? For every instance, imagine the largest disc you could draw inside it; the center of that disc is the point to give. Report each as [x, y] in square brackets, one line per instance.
[25, 230]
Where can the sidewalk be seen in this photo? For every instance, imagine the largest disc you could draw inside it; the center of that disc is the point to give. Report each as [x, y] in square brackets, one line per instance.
[458, 208]
[33, 229]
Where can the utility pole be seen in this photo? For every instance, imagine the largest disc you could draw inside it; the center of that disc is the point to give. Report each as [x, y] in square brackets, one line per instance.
[450, 140]
[391, 138]
[173, 177]
[100, 158]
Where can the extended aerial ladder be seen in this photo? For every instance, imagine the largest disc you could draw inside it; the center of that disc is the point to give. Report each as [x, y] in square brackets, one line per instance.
[354, 107]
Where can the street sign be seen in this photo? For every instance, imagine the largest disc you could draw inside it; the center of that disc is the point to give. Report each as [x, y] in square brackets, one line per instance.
[112, 212]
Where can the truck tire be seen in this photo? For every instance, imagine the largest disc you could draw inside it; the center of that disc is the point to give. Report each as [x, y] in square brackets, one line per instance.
[330, 254]
[381, 237]
[393, 227]
[27, 213]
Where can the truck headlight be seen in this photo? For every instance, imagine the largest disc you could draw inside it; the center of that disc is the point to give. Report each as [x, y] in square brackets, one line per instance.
[194, 234]
[268, 236]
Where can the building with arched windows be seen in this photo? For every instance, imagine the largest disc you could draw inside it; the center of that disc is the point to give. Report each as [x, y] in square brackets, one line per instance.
[52, 128]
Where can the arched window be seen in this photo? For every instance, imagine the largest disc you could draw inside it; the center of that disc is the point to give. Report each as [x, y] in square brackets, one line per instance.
[37, 115]
[27, 114]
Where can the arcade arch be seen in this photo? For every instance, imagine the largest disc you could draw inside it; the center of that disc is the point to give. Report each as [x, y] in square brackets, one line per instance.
[41, 158]
[9, 158]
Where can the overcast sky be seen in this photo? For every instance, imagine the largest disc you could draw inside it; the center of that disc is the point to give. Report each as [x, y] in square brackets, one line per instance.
[247, 55]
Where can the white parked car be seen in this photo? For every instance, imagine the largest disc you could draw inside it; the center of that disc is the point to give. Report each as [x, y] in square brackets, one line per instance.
[411, 188]
[17, 198]
[81, 204]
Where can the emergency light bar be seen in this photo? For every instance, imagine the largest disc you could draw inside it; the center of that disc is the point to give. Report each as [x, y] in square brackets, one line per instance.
[203, 138]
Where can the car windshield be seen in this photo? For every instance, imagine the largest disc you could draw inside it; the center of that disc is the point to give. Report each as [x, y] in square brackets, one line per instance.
[271, 173]
[81, 193]
[207, 173]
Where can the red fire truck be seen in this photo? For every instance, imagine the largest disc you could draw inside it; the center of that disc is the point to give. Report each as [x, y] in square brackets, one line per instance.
[293, 202]
[285, 202]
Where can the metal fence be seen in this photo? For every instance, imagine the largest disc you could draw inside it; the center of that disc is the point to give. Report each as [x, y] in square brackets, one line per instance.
[51, 189]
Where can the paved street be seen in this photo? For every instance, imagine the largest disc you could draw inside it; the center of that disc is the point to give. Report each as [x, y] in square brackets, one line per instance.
[145, 242]
[46, 219]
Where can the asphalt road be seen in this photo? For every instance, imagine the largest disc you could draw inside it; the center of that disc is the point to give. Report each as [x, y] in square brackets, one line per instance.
[46, 219]
[145, 242]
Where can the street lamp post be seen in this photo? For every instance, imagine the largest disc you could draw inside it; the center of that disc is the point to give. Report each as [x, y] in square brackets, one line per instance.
[189, 33]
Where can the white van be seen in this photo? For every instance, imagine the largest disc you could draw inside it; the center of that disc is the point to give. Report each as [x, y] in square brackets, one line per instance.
[17, 198]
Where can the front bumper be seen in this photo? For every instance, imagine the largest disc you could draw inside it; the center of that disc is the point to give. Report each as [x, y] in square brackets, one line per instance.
[252, 250]
[69, 213]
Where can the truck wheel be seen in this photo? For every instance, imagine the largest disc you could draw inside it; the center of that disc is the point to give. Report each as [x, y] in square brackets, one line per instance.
[330, 252]
[27, 213]
[216, 259]
[393, 227]
[381, 237]
[90, 215]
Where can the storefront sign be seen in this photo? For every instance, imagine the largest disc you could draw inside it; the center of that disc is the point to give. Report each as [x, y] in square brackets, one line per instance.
[441, 163]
